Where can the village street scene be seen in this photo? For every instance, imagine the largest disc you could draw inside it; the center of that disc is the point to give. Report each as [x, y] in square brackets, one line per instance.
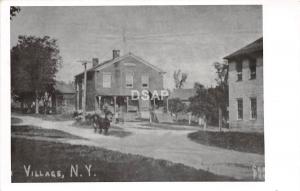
[135, 94]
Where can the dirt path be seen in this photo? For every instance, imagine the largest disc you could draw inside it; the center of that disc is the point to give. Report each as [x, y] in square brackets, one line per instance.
[172, 145]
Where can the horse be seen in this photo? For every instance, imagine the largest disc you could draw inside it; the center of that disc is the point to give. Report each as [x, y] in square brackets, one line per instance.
[100, 123]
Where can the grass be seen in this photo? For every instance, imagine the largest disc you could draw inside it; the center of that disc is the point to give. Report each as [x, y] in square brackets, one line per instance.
[252, 142]
[166, 126]
[50, 117]
[32, 131]
[15, 120]
[106, 165]
[183, 122]
[118, 133]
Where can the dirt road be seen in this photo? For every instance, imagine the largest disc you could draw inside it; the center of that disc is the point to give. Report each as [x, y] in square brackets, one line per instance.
[172, 145]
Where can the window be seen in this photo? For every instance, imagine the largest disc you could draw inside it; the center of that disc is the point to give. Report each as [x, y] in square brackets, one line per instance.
[129, 80]
[240, 109]
[145, 81]
[239, 70]
[253, 111]
[106, 80]
[252, 67]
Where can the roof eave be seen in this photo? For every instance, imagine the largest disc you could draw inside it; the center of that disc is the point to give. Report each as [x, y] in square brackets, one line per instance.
[120, 58]
[246, 50]
[237, 56]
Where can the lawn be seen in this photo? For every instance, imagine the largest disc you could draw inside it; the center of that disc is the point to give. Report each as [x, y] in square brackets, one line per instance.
[49, 117]
[167, 126]
[52, 162]
[15, 120]
[32, 131]
[183, 122]
[252, 142]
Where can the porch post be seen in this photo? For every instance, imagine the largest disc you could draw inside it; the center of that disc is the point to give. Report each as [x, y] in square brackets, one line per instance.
[84, 90]
[77, 96]
[115, 109]
[167, 104]
[115, 104]
[96, 103]
[95, 86]
[127, 100]
[99, 106]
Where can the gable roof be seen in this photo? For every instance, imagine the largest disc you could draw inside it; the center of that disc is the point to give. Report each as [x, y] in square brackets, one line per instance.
[183, 94]
[64, 88]
[250, 48]
[112, 61]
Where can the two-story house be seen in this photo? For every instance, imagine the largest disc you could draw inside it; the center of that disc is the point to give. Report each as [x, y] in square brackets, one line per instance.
[110, 84]
[245, 80]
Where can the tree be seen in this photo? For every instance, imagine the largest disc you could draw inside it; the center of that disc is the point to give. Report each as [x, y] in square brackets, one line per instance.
[34, 63]
[202, 103]
[176, 106]
[222, 73]
[221, 90]
[212, 102]
[13, 11]
[179, 78]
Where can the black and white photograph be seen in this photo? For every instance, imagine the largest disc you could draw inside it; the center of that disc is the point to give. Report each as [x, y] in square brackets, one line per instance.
[137, 93]
[149, 95]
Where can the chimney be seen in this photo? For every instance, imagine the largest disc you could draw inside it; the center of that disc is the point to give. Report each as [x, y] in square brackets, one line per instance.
[95, 62]
[116, 54]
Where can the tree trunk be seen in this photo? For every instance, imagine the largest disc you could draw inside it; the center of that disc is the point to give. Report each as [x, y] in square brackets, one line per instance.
[36, 102]
[45, 107]
[22, 105]
[200, 121]
[220, 119]
[45, 102]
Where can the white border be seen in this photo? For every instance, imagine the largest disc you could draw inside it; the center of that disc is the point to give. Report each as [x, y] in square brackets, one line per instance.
[281, 91]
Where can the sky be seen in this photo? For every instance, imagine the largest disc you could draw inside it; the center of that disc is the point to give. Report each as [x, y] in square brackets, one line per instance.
[189, 38]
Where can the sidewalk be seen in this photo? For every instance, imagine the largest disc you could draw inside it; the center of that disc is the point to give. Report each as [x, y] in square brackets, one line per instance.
[172, 145]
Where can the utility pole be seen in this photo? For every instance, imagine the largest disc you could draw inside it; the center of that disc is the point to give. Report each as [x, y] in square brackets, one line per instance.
[220, 118]
[84, 63]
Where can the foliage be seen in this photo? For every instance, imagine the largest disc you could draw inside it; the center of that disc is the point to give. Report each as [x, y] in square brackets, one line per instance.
[207, 101]
[222, 73]
[221, 90]
[13, 11]
[176, 106]
[203, 103]
[34, 63]
[179, 78]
